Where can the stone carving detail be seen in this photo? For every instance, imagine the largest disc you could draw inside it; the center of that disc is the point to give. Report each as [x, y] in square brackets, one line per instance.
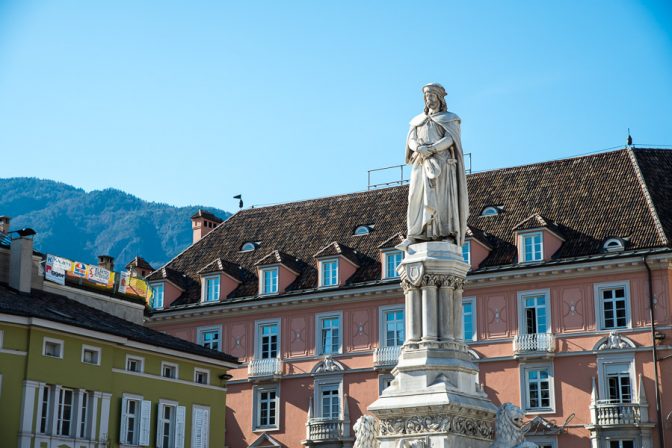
[406, 285]
[414, 443]
[510, 428]
[456, 424]
[366, 428]
[614, 341]
[328, 365]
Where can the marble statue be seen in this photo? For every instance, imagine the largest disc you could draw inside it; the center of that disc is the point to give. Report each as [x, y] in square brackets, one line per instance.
[366, 428]
[510, 429]
[437, 198]
[614, 341]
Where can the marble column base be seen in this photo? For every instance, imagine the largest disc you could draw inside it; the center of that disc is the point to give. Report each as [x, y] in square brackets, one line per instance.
[435, 400]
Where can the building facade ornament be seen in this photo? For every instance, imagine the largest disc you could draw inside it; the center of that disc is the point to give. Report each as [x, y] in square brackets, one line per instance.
[328, 365]
[457, 424]
[615, 342]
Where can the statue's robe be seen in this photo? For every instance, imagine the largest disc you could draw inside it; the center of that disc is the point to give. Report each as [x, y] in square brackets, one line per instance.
[438, 204]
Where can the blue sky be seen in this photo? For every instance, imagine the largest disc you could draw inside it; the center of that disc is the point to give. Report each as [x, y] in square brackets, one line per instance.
[194, 102]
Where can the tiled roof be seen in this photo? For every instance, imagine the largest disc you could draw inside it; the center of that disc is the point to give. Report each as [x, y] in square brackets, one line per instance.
[277, 256]
[139, 262]
[589, 197]
[479, 235]
[207, 215]
[57, 308]
[334, 249]
[219, 265]
[536, 221]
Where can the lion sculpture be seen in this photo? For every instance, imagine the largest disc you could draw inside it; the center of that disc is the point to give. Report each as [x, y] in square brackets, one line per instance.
[366, 428]
[510, 429]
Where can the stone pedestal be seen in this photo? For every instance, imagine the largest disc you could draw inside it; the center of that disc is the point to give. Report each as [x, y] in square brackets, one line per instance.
[435, 400]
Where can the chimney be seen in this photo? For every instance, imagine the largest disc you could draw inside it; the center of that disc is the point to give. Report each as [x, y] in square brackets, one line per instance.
[202, 223]
[21, 260]
[106, 261]
[4, 224]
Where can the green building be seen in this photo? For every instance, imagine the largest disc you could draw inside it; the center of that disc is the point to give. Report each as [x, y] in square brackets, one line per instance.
[75, 376]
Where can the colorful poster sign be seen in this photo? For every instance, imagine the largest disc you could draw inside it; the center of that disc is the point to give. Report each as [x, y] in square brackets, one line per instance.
[78, 269]
[61, 264]
[98, 274]
[54, 274]
[134, 286]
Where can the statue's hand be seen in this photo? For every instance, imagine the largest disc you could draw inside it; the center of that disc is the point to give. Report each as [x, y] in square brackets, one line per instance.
[424, 151]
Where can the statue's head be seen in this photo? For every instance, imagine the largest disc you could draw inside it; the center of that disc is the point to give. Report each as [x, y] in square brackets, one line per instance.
[510, 423]
[435, 100]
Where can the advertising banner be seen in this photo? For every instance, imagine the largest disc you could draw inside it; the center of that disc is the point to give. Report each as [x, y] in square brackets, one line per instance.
[134, 286]
[59, 263]
[54, 274]
[97, 274]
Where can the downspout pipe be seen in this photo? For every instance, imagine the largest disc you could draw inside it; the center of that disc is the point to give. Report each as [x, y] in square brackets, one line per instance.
[659, 413]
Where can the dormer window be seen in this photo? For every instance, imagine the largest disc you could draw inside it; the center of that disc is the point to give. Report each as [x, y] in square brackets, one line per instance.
[614, 245]
[329, 272]
[248, 246]
[269, 280]
[392, 261]
[490, 210]
[532, 245]
[212, 288]
[466, 252]
[363, 230]
[158, 290]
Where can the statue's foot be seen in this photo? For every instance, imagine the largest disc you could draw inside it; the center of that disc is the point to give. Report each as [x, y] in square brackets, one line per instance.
[404, 244]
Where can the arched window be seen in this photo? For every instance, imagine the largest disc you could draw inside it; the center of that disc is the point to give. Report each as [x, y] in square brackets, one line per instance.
[490, 211]
[362, 230]
[614, 245]
[248, 246]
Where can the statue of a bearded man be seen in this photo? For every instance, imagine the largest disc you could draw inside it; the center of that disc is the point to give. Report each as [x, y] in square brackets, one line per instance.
[438, 206]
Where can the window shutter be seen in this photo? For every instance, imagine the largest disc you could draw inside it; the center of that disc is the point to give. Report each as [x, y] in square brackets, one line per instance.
[123, 429]
[179, 426]
[205, 428]
[145, 422]
[159, 427]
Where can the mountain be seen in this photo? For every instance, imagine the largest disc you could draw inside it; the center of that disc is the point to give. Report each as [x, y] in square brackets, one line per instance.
[80, 226]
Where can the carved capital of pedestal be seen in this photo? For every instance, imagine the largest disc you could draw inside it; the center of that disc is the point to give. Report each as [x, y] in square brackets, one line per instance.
[470, 426]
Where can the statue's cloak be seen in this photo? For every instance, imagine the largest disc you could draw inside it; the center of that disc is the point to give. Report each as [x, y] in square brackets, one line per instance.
[450, 122]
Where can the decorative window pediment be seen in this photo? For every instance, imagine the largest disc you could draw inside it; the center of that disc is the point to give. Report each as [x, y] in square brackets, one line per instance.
[265, 441]
[328, 365]
[614, 341]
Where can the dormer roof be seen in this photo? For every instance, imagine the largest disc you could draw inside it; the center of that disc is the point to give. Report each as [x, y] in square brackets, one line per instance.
[279, 257]
[139, 262]
[391, 242]
[335, 249]
[220, 265]
[166, 273]
[478, 235]
[537, 221]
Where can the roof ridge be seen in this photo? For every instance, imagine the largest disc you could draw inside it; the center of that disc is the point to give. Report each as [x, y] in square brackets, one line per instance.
[647, 196]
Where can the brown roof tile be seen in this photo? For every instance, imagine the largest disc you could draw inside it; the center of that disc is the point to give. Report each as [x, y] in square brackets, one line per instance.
[590, 197]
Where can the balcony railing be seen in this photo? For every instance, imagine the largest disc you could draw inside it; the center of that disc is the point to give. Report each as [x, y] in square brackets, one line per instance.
[264, 367]
[386, 356]
[320, 429]
[608, 413]
[534, 343]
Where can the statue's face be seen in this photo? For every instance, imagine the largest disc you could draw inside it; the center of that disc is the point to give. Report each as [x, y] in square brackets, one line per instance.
[432, 100]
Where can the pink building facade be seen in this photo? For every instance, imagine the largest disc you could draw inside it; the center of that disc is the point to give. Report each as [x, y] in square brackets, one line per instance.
[566, 259]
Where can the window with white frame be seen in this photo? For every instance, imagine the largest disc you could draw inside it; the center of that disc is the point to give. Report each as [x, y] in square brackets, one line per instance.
[266, 406]
[329, 333]
[616, 375]
[200, 426]
[211, 289]
[136, 416]
[538, 393]
[329, 401]
[534, 312]
[210, 337]
[621, 444]
[466, 251]
[469, 317]
[201, 376]
[168, 370]
[393, 327]
[90, 355]
[170, 424]
[64, 412]
[329, 272]
[135, 364]
[83, 401]
[268, 339]
[52, 347]
[532, 246]
[613, 305]
[269, 280]
[45, 409]
[392, 261]
[158, 290]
